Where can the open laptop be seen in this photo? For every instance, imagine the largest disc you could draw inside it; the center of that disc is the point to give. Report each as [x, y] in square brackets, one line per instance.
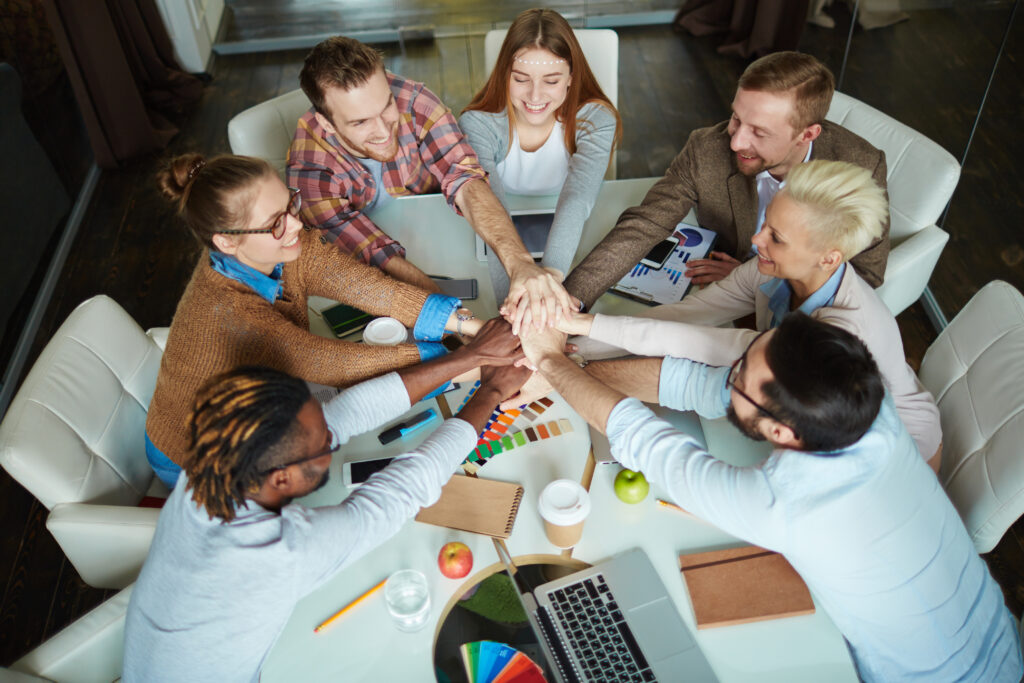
[611, 622]
[533, 226]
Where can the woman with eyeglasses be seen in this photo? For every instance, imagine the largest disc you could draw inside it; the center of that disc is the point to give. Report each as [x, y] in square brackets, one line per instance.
[826, 212]
[246, 301]
[541, 125]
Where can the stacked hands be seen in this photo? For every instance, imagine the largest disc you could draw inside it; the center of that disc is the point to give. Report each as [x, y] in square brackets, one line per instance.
[535, 320]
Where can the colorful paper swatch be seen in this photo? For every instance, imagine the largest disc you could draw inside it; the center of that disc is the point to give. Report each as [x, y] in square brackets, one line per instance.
[486, 448]
[486, 661]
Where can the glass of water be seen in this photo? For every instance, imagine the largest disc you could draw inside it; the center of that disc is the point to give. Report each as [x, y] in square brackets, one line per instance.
[408, 599]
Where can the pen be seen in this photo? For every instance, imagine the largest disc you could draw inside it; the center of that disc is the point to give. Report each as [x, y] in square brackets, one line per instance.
[404, 428]
[349, 606]
[666, 504]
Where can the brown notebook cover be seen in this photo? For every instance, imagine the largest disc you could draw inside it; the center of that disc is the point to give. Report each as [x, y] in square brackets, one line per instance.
[483, 506]
[740, 585]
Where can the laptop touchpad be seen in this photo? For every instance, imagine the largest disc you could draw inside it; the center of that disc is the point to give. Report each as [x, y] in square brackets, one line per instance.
[648, 623]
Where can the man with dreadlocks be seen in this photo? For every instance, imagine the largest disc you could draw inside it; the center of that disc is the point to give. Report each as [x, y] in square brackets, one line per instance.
[232, 554]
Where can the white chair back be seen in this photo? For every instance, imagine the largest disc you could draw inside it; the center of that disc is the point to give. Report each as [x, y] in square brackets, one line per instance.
[921, 179]
[600, 48]
[266, 130]
[975, 370]
[74, 431]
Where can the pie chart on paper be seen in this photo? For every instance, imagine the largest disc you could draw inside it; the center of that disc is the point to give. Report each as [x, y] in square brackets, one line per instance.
[689, 237]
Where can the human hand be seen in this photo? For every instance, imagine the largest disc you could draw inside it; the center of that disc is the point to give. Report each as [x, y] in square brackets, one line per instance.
[536, 292]
[540, 344]
[494, 344]
[537, 386]
[706, 270]
[577, 323]
[505, 381]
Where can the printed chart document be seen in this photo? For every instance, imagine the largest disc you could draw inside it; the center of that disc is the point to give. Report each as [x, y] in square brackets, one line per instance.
[668, 284]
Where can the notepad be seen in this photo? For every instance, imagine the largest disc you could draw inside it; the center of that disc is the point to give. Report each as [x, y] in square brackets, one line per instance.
[740, 585]
[482, 506]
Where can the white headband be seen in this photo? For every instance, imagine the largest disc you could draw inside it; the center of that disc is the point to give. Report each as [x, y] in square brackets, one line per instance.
[530, 61]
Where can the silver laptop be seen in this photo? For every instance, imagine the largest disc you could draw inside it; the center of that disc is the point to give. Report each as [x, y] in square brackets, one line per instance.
[611, 622]
[533, 226]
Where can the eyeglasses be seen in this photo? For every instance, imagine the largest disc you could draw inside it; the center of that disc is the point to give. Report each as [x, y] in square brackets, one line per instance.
[279, 225]
[734, 373]
[330, 450]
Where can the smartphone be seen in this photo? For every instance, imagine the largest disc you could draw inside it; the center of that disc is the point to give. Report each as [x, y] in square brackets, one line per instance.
[345, 320]
[460, 289]
[355, 473]
[657, 256]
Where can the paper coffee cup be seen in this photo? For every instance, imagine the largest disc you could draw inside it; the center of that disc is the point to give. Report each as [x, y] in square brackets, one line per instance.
[384, 332]
[564, 506]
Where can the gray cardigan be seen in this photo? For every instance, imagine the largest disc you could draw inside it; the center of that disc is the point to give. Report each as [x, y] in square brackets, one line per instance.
[595, 131]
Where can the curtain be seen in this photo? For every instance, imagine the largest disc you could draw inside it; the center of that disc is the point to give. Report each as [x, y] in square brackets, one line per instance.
[121, 65]
[752, 27]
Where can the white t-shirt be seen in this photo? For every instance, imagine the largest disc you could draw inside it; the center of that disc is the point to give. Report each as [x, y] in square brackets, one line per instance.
[541, 172]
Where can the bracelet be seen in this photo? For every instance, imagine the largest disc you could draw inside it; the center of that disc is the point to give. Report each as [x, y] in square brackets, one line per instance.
[461, 315]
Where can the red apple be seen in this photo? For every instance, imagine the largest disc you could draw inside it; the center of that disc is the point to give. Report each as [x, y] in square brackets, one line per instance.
[455, 560]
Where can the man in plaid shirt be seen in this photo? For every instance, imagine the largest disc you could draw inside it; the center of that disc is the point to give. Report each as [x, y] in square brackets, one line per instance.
[371, 136]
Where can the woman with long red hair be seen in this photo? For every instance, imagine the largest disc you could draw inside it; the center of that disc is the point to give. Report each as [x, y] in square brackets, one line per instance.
[541, 125]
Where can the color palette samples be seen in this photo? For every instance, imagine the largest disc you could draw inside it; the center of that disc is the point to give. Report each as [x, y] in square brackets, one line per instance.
[488, 662]
[503, 434]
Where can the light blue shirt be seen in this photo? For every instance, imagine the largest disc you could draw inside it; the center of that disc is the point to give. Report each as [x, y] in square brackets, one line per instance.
[381, 197]
[780, 294]
[868, 528]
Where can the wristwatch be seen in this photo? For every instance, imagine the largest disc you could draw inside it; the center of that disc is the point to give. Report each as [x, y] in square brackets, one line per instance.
[462, 315]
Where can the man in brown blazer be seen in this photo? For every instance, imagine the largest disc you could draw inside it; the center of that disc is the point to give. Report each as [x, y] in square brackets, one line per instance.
[730, 172]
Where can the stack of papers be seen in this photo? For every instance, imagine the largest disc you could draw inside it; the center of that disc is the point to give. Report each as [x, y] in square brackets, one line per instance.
[490, 662]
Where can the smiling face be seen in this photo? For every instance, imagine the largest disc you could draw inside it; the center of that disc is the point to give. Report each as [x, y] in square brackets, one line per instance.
[786, 249]
[762, 133]
[364, 118]
[269, 201]
[538, 85]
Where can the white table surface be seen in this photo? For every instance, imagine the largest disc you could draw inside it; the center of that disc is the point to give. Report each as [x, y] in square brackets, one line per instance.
[365, 646]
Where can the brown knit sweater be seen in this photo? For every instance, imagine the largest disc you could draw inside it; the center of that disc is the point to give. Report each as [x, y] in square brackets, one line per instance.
[221, 323]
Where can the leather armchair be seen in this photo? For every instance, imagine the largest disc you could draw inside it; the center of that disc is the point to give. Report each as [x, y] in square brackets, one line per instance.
[975, 370]
[266, 130]
[921, 179]
[91, 649]
[74, 437]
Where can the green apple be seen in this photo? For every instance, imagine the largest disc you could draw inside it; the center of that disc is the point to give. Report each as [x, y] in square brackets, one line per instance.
[630, 486]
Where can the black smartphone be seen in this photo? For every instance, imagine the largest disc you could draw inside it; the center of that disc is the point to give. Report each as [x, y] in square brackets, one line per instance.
[460, 289]
[657, 256]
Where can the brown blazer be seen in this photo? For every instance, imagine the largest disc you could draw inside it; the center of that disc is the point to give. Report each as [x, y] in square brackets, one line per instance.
[704, 176]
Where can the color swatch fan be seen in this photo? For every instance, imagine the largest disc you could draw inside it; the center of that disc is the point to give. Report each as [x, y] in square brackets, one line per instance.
[490, 662]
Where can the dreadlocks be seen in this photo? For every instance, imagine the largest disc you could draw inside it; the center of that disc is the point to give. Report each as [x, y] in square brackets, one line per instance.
[241, 425]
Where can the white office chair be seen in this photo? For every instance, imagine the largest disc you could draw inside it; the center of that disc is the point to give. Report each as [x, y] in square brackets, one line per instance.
[601, 48]
[921, 179]
[975, 370]
[74, 437]
[89, 650]
[266, 130]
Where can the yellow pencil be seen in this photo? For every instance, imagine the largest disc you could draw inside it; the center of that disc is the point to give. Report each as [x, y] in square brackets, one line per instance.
[665, 503]
[349, 606]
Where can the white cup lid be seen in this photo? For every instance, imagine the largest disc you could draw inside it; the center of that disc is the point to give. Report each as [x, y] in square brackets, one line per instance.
[384, 332]
[564, 502]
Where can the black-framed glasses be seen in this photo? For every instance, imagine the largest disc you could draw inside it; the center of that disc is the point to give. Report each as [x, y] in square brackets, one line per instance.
[330, 450]
[280, 224]
[734, 373]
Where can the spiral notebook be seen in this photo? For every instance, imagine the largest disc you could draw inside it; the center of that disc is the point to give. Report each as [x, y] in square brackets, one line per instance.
[482, 506]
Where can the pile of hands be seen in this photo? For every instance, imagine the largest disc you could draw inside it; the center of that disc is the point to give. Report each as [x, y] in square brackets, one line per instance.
[534, 322]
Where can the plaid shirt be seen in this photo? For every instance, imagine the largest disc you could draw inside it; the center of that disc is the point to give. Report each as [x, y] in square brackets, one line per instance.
[432, 153]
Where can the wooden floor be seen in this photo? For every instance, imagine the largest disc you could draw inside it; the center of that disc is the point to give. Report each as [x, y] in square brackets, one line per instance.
[929, 72]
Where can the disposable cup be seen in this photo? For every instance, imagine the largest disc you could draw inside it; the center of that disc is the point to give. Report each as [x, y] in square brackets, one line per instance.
[564, 506]
[384, 332]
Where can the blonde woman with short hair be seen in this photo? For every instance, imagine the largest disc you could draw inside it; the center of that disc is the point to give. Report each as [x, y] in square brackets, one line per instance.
[827, 212]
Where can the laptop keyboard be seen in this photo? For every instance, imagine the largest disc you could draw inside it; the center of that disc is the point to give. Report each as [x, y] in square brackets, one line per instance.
[597, 633]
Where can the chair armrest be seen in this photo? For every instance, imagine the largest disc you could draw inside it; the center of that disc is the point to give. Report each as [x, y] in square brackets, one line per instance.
[910, 266]
[90, 649]
[159, 336]
[107, 544]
